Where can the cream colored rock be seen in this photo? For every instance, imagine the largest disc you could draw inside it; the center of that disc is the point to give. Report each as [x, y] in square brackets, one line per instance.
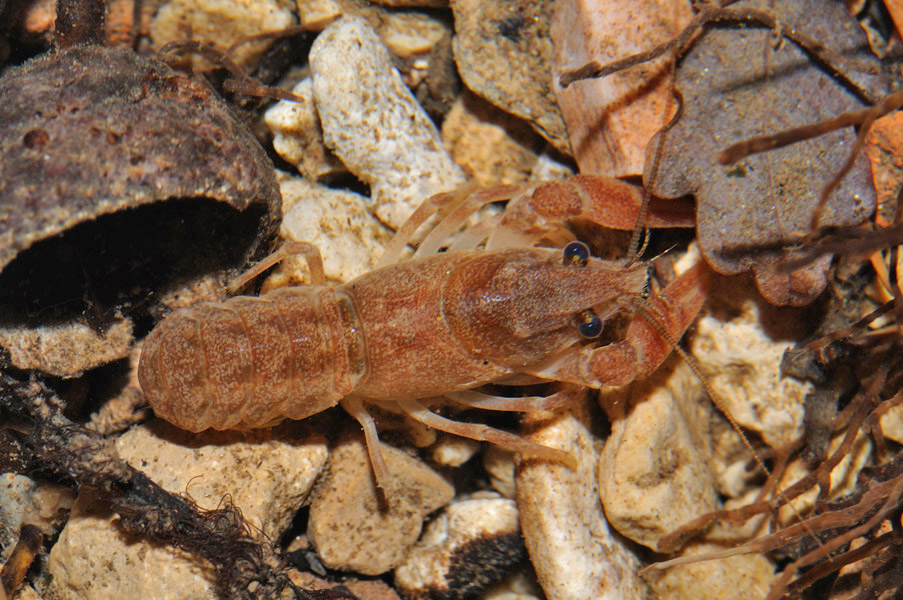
[405, 33]
[94, 560]
[548, 166]
[453, 451]
[575, 553]
[520, 585]
[654, 470]
[892, 424]
[320, 13]
[267, 473]
[467, 547]
[26, 501]
[843, 477]
[219, 23]
[743, 577]
[499, 465]
[373, 123]
[298, 137]
[350, 239]
[351, 528]
[740, 340]
[66, 349]
[492, 146]
[27, 592]
[409, 34]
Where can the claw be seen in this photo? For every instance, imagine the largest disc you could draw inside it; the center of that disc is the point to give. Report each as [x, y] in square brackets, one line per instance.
[606, 201]
[651, 335]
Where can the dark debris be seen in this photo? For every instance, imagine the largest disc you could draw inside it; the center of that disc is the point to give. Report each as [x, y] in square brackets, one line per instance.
[56, 447]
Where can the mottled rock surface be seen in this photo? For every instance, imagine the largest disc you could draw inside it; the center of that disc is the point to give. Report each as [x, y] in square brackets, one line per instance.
[351, 528]
[573, 549]
[374, 125]
[654, 473]
[267, 474]
[470, 545]
[220, 24]
[350, 239]
[504, 54]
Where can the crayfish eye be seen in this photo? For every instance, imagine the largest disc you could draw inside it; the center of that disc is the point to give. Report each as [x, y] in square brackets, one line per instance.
[589, 325]
[576, 254]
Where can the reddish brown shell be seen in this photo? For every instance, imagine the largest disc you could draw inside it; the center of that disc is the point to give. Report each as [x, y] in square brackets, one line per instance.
[249, 362]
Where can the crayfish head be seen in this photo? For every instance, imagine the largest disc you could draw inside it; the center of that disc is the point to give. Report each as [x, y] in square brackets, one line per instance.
[517, 306]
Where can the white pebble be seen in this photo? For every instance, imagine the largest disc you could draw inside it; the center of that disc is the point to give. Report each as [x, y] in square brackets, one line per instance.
[374, 124]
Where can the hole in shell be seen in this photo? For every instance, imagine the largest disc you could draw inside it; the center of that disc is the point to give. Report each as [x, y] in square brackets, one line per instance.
[133, 262]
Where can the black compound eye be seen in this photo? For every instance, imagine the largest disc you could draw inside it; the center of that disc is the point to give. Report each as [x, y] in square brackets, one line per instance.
[575, 253]
[589, 325]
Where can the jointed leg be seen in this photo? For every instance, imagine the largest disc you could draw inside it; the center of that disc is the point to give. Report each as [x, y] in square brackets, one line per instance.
[523, 404]
[605, 201]
[355, 408]
[458, 202]
[311, 254]
[484, 433]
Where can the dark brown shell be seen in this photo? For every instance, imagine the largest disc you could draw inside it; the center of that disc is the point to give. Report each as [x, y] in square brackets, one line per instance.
[111, 167]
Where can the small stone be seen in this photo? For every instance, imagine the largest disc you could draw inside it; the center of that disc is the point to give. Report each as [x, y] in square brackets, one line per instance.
[298, 135]
[654, 470]
[66, 349]
[575, 553]
[266, 473]
[94, 560]
[317, 14]
[453, 451]
[464, 550]
[219, 23]
[892, 424]
[492, 146]
[25, 501]
[350, 239]
[27, 592]
[373, 123]
[499, 465]
[520, 585]
[410, 34]
[406, 33]
[740, 340]
[504, 54]
[746, 576]
[351, 528]
[843, 478]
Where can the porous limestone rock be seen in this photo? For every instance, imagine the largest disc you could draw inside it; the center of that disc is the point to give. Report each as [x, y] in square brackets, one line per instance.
[298, 136]
[654, 473]
[372, 122]
[350, 239]
[266, 473]
[740, 340]
[574, 551]
[469, 546]
[351, 527]
[219, 23]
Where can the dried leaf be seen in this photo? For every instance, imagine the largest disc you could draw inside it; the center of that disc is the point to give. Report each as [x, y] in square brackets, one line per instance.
[610, 120]
[737, 83]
